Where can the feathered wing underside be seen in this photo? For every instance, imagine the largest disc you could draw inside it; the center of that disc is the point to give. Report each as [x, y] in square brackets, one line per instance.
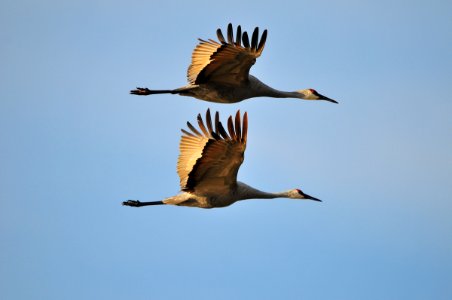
[225, 62]
[210, 157]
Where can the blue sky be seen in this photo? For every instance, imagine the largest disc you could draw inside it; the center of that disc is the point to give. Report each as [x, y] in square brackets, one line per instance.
[75, 144]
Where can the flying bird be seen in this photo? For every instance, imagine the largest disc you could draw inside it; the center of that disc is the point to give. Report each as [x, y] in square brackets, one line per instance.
[208, 164]
[219, 71]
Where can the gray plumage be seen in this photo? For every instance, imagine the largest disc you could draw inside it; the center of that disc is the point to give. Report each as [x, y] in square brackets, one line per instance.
[219, 71]
[208, 164]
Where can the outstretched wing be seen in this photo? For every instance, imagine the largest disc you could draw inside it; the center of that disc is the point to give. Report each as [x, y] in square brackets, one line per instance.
[210, 159]
[225, 62]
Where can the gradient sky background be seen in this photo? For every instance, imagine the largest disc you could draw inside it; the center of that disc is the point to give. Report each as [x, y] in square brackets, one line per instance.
[74, 144]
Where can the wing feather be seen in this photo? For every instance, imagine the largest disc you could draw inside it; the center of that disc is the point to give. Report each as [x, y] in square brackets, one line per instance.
[238, 131]
[245, 128]
[225, 62]
[238, 38]
[223, 132]
[254, 38]
[187, 133]
[191, 148]
[230, 34]
[209, 121]
[220, 36]
[260, 48]
[208, 163]
[202, 126]
[217, 120]
[246, 40]
[193, 129]
[231, 129]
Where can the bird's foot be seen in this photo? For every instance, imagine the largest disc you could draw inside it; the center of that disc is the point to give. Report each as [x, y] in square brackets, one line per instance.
[141, 91]
[134, 203]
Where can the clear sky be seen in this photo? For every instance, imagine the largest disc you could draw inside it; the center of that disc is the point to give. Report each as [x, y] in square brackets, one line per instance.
[74, 144]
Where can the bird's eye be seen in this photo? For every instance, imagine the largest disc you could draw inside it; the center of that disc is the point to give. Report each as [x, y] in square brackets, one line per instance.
[313, 91]
[299, 191]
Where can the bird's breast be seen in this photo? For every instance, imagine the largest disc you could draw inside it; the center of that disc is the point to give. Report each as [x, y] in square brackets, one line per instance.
[221, 201]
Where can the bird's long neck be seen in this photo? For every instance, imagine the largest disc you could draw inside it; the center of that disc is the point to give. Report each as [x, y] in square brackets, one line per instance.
[264, 90]
[245, 191]
[271, 92]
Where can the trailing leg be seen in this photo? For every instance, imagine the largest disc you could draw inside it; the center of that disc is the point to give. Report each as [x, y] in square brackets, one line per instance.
[145, 91]
[136, 203]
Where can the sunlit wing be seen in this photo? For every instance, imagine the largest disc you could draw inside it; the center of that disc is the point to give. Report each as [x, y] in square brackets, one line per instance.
[225, 62]
[210, 158]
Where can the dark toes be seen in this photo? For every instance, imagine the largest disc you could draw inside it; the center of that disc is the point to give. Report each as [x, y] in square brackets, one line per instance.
[140, 91]
[131, 203]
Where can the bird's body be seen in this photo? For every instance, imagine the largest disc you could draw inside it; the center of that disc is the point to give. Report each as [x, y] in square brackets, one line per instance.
[220, 93]
[240, 192]
[208, 164]
[219, 72]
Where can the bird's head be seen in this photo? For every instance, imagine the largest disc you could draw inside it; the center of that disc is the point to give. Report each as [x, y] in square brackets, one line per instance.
[298, 194]
[311, 94]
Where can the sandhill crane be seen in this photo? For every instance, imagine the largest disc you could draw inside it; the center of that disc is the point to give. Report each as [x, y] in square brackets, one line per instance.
[219, 72]
[208, 164]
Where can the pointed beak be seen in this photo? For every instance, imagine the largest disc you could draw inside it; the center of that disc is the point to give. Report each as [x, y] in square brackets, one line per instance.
[321, 97]
[306, 196]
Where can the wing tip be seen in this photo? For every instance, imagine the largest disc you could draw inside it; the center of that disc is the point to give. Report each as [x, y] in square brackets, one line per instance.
[255, 44]
[237, 127]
